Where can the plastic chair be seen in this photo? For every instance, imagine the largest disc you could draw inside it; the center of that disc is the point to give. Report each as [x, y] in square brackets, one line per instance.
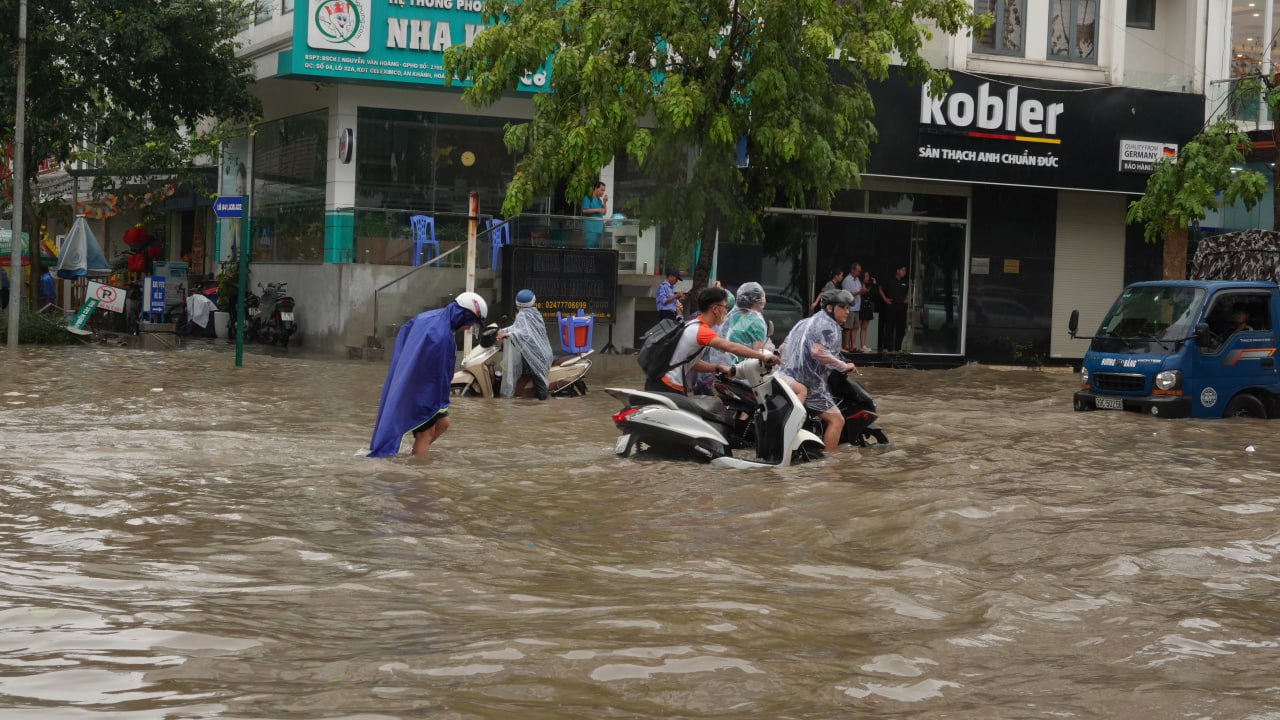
[499, 235]
[424, 236]
[576, 332]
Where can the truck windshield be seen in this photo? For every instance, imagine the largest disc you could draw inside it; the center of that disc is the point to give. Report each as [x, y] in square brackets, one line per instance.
[1145, 316]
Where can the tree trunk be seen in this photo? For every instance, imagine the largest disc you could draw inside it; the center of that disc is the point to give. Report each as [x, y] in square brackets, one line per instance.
[706, 251]
[1175, 254]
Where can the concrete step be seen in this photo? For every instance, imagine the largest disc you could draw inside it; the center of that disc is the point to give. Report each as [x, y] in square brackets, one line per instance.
[356, 352]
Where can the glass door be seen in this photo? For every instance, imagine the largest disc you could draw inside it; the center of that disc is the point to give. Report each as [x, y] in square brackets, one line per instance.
[937, 288]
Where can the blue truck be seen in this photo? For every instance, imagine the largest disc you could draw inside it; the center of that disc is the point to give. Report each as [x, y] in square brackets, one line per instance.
[1185, 348]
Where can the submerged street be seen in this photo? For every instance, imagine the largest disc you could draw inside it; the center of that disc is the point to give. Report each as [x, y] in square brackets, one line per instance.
[180, 538]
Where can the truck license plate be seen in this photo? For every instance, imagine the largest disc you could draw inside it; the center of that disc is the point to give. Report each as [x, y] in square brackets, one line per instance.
[1109, 403]
[286, 317]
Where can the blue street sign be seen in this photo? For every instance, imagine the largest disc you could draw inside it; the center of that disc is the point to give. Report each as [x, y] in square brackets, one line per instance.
[229, 207]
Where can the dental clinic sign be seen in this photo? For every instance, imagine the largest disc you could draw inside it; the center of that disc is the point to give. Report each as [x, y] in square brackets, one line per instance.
[397, 41]
[1033, 133]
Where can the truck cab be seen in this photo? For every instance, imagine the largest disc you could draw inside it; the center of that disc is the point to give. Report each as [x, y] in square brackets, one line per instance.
[1187, 348]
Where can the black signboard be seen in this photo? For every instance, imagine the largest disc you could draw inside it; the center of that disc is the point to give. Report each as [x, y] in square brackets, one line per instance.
[563, 279]
[1020, 131]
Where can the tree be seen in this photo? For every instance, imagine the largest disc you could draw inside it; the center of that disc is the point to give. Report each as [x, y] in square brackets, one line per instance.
[675, 84]
[1181, 192]
[131, 87]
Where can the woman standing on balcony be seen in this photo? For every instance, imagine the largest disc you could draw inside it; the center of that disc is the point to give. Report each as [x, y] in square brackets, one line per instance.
[593, 208]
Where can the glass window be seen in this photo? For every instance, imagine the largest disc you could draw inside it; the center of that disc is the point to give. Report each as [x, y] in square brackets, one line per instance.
[289, 162]
[264, 11]
[1005, 36]
[1141, 14]
[1073, 30]
[286, 6]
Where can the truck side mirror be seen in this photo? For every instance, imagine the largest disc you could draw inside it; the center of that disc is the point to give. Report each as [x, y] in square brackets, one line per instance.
[1074, 323]
[1203, 336]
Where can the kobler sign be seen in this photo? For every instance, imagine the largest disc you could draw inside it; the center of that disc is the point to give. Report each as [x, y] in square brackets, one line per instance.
[1024, 132]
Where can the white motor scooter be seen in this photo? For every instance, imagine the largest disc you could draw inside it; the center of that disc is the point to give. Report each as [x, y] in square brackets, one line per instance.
[701, 427]
[480, 372]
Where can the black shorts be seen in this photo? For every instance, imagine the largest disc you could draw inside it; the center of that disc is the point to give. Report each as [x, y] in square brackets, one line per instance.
[868, 311]
[434, 419]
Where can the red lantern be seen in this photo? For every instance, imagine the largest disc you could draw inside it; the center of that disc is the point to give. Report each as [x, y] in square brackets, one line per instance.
[135, 236]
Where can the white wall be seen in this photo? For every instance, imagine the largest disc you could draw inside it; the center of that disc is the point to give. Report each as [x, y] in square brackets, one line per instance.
[1088, 270]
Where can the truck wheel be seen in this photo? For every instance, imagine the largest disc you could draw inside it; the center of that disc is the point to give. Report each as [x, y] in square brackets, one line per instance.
[1245, 406]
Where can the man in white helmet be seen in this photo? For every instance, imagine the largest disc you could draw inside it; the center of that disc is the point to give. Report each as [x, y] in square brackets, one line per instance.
[415, 396]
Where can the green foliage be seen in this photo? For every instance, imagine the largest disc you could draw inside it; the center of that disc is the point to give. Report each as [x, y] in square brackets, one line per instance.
[38, 329]
[129, 86]
[1182, 192]
[1027, 354]
[675, 84]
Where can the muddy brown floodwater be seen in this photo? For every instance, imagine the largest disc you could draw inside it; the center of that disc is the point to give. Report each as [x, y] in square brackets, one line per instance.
[182, 539]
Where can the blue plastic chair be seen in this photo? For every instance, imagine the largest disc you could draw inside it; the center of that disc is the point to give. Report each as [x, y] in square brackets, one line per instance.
[569, 327]
[424, 236]
[499, 235]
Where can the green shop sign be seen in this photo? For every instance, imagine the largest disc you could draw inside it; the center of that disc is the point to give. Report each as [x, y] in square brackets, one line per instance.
[383, 41]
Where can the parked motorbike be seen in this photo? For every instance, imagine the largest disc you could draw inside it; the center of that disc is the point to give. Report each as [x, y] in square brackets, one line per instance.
[858, 409]
[707, 429]
[251, 308]
[480, 372]
[275, 323]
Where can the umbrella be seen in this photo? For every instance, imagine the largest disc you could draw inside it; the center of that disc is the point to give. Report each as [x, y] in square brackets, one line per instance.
[81, 254]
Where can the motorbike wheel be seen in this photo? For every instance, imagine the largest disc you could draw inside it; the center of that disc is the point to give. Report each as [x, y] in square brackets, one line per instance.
[458, 390]
[881, 438]
[580, 388]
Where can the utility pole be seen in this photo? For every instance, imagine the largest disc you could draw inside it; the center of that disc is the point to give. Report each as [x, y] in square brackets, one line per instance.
[18, 176]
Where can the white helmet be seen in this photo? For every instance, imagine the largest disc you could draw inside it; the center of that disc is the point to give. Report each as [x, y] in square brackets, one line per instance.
[473, 302]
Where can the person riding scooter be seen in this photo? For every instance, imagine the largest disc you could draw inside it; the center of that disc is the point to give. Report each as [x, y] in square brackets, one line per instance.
[811, 350]
[529, 352]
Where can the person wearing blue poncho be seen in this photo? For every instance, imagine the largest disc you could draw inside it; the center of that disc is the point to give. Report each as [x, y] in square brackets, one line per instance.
[415, 396]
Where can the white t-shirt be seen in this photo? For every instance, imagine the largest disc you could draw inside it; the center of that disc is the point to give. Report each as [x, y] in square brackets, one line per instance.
[693, 341]
[854, 286]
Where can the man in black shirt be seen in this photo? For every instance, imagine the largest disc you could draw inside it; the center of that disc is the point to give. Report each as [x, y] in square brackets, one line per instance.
[893, 293]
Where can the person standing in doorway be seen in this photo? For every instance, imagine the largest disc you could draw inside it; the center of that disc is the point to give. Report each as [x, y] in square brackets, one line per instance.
[893, 293]
[833, 283]
[868, 311]
[669, 307]
[593, 209]
[852, 284]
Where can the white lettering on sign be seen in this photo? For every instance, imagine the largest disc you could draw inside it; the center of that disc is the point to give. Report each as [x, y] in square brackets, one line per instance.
[407, 34]
[990, 112]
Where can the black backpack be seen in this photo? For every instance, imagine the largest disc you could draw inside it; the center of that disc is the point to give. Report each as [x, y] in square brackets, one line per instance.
[657, 346]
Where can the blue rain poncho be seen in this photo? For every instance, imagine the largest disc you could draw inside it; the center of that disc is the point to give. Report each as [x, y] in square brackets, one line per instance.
[527, 342]
[810, 352]
[418, 376]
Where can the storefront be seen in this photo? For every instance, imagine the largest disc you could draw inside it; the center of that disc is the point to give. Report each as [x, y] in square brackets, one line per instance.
[1005, 198]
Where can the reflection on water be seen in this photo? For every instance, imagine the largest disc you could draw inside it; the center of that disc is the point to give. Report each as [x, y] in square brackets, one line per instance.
[183, 539]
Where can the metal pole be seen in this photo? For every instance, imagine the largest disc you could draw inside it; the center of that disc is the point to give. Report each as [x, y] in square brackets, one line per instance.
[242, 285]
[19, 169]
[473, 222]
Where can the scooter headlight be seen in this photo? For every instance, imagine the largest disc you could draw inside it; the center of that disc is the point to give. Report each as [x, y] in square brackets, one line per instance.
[1169, 380]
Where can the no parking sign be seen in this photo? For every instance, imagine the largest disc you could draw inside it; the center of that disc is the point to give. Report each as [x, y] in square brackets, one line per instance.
[108, 297]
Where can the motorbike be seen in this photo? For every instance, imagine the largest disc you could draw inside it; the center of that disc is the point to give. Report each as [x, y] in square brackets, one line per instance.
[480, 372]
[275, 323]
[858, 409]
[708, 429]
[251, 309]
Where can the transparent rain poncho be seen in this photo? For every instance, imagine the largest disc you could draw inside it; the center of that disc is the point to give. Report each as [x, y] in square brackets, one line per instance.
[810, 353]
[527, 341]
[744, 324]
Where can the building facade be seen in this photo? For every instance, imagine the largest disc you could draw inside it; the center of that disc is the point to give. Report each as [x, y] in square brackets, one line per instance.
[1005, 197]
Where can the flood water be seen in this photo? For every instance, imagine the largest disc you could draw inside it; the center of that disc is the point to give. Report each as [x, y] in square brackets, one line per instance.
[183, 539]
